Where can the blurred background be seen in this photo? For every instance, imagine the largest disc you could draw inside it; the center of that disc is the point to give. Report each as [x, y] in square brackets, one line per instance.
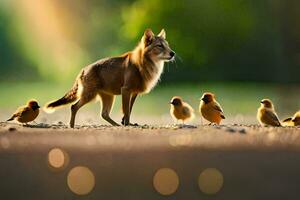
[242, 50]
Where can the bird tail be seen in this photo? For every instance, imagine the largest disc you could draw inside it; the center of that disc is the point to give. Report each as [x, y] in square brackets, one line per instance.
[10, 119]
[69, 97]
[287, 120]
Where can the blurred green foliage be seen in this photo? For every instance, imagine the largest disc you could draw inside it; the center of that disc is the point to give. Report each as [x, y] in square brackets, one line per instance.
[235, 99]
[13, 64]
[215, 40]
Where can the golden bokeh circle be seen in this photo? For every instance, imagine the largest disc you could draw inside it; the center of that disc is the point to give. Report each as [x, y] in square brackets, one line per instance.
[210, 181]
[81, 180]
[166, 181]
[57, 158]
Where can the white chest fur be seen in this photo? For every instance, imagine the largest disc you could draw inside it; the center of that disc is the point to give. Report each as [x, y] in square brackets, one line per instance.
[155, 76]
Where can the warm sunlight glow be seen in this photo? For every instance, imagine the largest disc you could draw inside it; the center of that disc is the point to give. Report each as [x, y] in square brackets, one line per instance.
[210, 181]
[47, 36]
[166, 181]
[81, 180]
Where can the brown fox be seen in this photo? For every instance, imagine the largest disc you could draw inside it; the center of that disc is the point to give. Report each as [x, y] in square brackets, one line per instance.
[133, 73]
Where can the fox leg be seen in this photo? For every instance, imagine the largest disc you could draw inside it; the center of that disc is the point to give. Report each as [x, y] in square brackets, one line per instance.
[107, 103]
[126, 96]
[84, 99]
[132, 100]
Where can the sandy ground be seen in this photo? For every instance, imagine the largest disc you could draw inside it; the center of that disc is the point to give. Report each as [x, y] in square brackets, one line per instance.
[255, 162]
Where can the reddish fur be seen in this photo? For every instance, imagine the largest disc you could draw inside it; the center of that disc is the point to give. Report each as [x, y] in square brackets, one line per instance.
[130, 74]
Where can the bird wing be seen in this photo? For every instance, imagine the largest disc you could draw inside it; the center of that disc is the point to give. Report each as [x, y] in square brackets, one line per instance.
[21, 111]
[270, 115]
[185, 110]
[218, 107]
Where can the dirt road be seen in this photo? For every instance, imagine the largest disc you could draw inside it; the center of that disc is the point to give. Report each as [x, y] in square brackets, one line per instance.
[253, 162]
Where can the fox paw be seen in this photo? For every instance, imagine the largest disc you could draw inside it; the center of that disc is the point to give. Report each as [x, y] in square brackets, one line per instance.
[129, 124]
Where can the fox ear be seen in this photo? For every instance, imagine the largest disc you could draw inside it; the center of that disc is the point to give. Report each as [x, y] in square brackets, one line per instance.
[148, 37]
[162, 34]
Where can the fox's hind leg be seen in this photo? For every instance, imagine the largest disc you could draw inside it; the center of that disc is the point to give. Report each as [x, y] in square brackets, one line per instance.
[107, 103]
[84, 99]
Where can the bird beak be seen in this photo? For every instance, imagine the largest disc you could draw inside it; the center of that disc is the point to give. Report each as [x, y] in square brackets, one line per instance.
[38, 106]
[293, 120]
[170, 102]
[261, 102]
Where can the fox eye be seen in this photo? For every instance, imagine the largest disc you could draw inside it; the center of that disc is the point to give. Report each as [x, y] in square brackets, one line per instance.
[160, 46]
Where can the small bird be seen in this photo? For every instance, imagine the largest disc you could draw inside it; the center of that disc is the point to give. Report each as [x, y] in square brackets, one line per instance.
[28, 113]
[292, 121]
[210, 108]
[266, 114]
[181, 110]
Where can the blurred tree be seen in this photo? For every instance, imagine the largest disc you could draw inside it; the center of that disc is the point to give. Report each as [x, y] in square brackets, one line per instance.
[215, 40]
[13, 64]
[288, 15]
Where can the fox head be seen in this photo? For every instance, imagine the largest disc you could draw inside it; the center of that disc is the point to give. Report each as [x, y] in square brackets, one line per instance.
[156, 47]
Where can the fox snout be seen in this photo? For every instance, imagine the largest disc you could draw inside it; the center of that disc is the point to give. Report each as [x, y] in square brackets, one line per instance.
[169, 56]
[172, 54]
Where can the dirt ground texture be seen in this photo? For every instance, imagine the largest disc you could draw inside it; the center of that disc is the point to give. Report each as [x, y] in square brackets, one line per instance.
[256, 162]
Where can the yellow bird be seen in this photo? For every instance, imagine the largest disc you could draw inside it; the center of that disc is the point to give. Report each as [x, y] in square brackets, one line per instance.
[210, 109]
[28, 113]
[292, 121]
[181, 110]
[266, 114]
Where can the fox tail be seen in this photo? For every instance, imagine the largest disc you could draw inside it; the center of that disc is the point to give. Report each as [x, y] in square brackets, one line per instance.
[69, 97]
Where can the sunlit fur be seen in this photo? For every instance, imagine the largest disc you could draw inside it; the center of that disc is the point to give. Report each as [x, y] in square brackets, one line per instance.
[27, 113]
[296, 118]
[133, 73]
[292, 121]
[210, 109]
[149, 56]
[181, 110]
[266, 114]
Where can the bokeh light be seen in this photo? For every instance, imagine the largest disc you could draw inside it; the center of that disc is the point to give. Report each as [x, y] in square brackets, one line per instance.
[210, 181]
[58, 158]
[81, 180]
[166, 181]
[5, 143]
[180, 140]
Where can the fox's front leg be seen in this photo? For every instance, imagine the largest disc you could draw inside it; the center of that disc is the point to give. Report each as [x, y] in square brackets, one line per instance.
[132, 100]
[126, 95]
